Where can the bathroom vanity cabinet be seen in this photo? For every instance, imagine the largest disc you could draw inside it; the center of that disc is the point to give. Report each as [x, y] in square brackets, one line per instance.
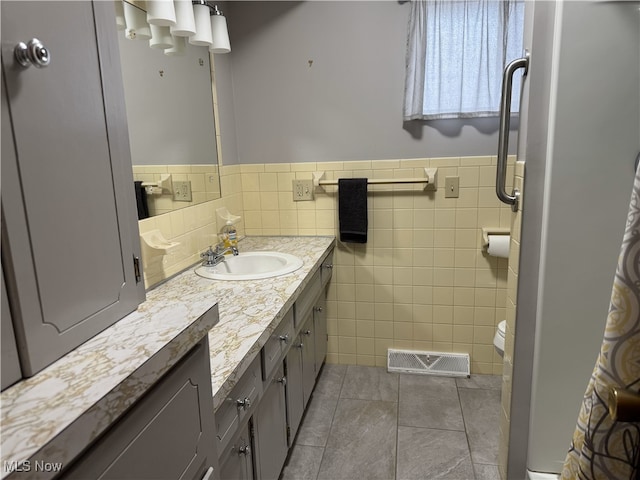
[69, 229]
[169, 433]
[289, 363]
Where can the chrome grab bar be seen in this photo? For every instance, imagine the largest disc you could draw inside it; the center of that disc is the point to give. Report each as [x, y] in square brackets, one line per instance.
[503, 133]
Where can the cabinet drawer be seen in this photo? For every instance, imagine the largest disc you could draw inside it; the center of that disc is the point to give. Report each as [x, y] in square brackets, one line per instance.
[277, 345]
[307, 298]
[239, 403]
[168, 434]
[326, 269]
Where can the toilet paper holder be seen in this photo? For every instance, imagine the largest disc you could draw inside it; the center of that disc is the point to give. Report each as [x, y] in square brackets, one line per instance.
[486, 231]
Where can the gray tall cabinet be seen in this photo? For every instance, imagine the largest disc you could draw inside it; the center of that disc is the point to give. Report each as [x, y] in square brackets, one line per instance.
[69, 228]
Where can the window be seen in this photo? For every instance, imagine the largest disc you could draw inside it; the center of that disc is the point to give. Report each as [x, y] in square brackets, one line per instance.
[456, 53]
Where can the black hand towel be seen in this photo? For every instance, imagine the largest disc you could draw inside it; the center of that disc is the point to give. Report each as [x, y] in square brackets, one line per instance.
[141, 200]
[352, 209]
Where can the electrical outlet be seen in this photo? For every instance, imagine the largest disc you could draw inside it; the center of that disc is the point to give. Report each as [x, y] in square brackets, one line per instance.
[302, 190]
[451, 187]
[182, 191]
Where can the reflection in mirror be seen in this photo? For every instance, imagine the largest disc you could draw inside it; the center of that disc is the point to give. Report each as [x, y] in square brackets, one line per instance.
[171, 125]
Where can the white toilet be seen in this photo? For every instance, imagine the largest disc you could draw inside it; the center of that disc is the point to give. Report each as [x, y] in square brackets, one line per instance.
[498, 339]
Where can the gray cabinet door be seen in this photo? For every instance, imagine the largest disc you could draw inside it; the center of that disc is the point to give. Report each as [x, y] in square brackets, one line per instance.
[168, 434]
[237, 463]
[320, 324]
[70, 231]
[307, 337]
[295, 397]
[270, 423]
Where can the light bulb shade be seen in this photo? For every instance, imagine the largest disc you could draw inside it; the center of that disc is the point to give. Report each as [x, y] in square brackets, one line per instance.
[185, 21]
[220, 35]
[161, 13]
[203, 27]
[120, 21]
[179, 48]
[161, 37]
[136, 23]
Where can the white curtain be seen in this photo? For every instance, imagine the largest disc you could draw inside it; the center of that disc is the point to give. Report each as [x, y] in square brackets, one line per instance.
[456, 53]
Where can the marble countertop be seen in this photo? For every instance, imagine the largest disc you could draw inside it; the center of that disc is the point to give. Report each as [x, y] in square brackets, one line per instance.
[249, 309]
[53, 415]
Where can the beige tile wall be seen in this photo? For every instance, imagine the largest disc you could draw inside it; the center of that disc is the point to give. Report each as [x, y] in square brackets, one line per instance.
[205, 185]
[422, 281]
[194, 227]
[512, 283]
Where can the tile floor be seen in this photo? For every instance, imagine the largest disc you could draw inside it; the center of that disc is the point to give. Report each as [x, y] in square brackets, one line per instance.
[364, 423]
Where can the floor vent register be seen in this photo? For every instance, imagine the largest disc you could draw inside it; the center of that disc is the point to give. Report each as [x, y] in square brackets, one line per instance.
[429, 363]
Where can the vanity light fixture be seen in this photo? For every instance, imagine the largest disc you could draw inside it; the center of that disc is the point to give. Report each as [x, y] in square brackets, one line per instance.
[180, 45]
[219, 32]
[185, 21]
[161, 13]
[203, 36]
[136, 24]
[161, 38]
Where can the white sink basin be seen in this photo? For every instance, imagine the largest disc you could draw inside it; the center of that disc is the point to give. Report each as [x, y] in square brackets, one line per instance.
[251, 266]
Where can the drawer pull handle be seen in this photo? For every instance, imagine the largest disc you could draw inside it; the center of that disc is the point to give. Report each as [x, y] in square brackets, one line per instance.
[208, 475]
[244, 403]
[284, 338]
[328, 265]
[245, 450]
[283, 381]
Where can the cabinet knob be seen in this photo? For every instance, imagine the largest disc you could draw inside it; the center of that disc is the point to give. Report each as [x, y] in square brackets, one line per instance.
[300, 345]
[32, 53]
[244, 450]
[307, 332]
[317, 309]
[243, 403]
[284, 338]
[328, 265]
[282, 380]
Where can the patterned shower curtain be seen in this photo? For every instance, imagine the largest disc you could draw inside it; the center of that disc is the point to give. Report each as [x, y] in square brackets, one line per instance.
[602, 448]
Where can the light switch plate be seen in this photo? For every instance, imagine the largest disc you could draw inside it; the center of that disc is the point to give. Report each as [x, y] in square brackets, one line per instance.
[182, 191]
[451, 187]
[302, 190]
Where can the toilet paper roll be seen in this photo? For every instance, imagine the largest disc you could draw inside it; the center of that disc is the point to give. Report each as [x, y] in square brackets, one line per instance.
[499, 245]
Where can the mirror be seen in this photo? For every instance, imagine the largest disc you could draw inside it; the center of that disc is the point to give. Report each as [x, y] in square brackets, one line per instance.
[169, 102]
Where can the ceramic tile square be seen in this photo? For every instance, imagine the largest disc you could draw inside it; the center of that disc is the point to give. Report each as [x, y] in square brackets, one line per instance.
[443, 454]
[369, 383]
[429, 402]
[359, 445]
[481, 411]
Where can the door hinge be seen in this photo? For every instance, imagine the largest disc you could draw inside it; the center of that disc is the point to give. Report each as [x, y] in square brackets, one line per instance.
[136, 269]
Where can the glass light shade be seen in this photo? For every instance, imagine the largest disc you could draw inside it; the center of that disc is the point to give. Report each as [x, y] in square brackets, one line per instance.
[203, 27]
[220, 35]
[179, 48]
[161, 37]
[161, 13]
[136, 23]
[185, 21]
[120, 21]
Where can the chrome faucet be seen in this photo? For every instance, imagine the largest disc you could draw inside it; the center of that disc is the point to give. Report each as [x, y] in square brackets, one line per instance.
[214, 257]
